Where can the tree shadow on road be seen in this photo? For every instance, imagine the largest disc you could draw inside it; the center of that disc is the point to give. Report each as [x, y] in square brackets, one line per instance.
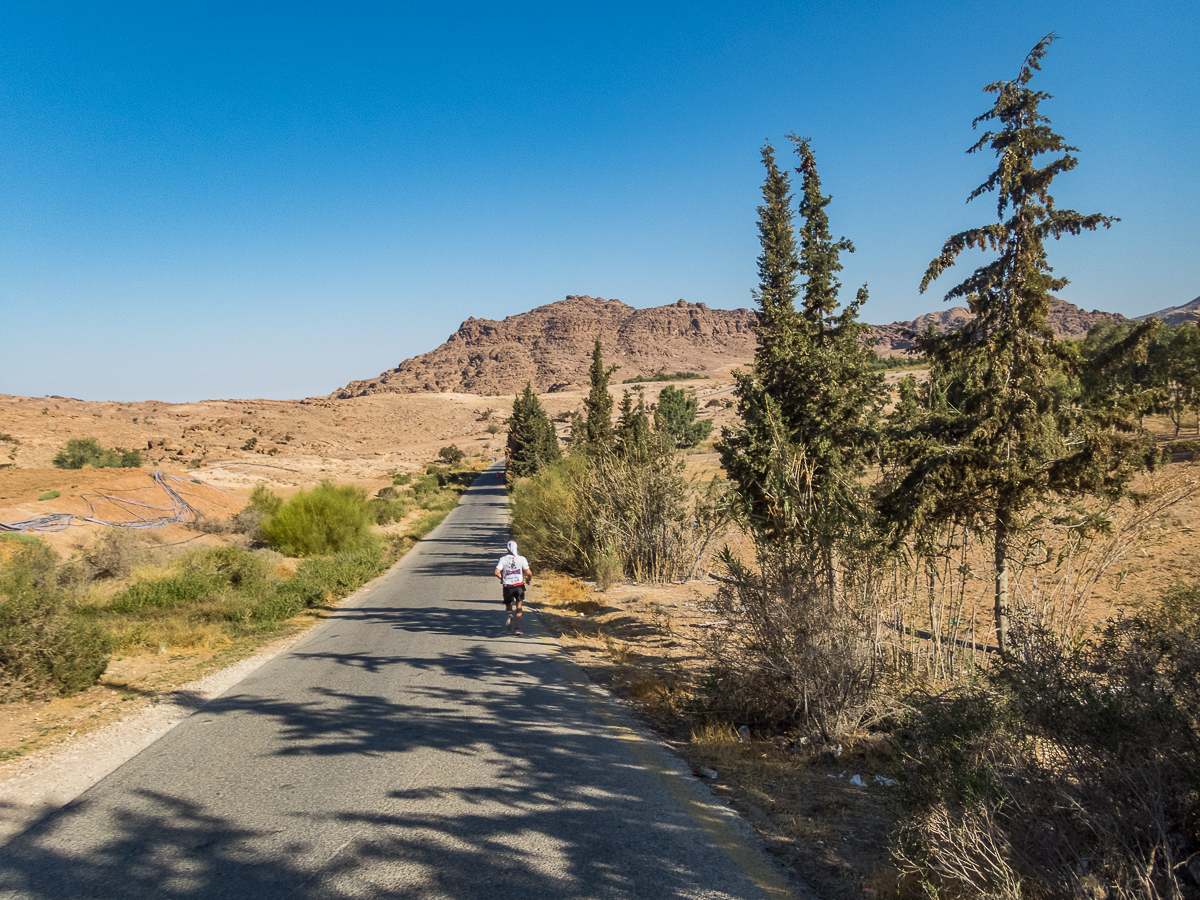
[494, 779]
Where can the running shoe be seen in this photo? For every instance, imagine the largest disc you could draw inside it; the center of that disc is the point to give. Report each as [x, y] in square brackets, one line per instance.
[518, 631]
[508, 623]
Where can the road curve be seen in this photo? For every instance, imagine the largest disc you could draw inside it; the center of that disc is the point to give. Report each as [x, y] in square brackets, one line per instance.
[406, 748]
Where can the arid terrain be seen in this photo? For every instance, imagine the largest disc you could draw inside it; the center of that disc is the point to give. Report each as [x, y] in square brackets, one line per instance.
[215, 453]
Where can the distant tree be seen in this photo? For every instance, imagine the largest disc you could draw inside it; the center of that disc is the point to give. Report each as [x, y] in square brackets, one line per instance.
[1116, 371]
[1177, 365]
[532, 443]
[633, 433]
[1006, 442]
[676, 414]
[599, 402]
[451, 455]
[80, 452]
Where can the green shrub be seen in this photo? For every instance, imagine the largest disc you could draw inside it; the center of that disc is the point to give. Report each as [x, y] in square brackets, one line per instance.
[385, 511]
[265, 500]
[235, 567]
[402, 479]
[451, 455]
[50, 495]
[387, 493]
[441, 473]
[44, 650]
[324, 578]
[425, 485]
[328, 519]
[546, 518]
[168, 592]
[80, 452]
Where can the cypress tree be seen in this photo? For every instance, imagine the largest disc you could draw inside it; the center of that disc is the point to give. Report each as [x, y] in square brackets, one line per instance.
[1005, 442]
[812, 395]
[532, 443]
[599, 403]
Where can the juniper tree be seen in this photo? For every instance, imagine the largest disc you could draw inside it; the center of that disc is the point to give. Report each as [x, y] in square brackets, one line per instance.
[1005, 442]
[532, 443]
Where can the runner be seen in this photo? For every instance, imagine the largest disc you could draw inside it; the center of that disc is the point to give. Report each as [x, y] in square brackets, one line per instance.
[513, 570]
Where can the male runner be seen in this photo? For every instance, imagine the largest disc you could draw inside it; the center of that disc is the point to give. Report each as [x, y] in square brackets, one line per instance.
[513, 570]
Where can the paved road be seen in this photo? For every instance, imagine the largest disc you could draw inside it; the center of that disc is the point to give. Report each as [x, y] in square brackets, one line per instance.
[405, 748]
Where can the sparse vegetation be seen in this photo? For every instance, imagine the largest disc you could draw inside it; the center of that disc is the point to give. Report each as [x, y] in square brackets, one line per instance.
[44, 649]
[663, 376]
[50, 495]
[80, 452]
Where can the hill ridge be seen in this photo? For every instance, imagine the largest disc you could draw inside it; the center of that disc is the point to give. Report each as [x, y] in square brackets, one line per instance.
[550, 346]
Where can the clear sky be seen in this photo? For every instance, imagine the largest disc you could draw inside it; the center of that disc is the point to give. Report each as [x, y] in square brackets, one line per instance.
[218, 200]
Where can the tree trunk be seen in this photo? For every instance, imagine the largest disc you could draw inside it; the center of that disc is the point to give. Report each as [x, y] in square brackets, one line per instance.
[833, 561]
[1002, 610]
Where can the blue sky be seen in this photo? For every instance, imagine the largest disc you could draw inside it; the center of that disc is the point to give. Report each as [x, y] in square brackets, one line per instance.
[215, 200]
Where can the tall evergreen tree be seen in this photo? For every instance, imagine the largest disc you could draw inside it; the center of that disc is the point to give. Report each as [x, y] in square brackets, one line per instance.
[1005, 441]
[812, 394]
[532, 443]
[599, 402]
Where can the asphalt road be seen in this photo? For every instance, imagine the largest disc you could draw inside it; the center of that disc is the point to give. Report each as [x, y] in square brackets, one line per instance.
[405, 748]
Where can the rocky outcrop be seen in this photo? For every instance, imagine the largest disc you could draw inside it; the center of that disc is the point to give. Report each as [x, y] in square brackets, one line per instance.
[1067, 320]
[1176, 315]
[551, 347]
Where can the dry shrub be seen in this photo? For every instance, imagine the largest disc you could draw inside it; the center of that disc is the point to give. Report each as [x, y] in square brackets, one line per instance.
[939, 615]
[1073, 772]
[116, 551]
[614, 517]
[791, 652]
[563, 590]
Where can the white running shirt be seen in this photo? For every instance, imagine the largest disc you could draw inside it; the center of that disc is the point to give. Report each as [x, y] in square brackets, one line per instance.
[512, 569]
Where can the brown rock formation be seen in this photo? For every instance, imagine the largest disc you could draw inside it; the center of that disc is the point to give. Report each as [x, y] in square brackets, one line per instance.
[551, 347]
[1176, 315]
[1067, 320]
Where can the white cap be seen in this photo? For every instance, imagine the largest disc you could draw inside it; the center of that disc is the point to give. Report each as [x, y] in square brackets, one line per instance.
[512, 547]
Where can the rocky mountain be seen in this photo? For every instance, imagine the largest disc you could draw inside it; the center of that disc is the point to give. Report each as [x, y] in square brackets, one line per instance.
[1067, 320]
[551, 346]
[1177, 315]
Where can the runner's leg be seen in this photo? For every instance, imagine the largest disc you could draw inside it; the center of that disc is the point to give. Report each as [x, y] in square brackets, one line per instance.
[520, 600]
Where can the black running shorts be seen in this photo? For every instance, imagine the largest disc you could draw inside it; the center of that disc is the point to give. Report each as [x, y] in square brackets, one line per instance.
[514, 592]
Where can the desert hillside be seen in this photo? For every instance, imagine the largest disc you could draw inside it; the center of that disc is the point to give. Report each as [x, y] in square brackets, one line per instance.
[1177, 315]
[550, 346]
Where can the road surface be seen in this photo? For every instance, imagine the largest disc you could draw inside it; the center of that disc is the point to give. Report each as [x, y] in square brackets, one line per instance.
[406, 748]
